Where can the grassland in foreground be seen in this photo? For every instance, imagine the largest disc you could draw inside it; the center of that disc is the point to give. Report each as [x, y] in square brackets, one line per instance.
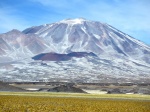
[69, 102]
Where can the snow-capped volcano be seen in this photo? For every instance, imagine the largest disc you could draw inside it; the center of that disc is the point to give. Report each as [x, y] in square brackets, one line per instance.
[119, 53]
[80, 35]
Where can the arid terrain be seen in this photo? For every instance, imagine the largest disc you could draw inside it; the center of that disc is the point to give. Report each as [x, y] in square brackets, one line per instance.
[94, 88]
[71, 102]
[81, 97]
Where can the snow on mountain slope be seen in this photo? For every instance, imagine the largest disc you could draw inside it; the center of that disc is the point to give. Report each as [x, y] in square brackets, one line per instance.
[17, 45]
[77, 35]
[73, 21]
[86, 69]
[120, 56]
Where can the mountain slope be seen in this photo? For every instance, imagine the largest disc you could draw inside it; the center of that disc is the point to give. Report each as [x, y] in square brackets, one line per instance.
[80, 35]
[17, 45]
[56, 47]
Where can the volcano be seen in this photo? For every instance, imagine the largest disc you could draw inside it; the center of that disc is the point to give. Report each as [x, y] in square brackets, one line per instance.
[116, 55]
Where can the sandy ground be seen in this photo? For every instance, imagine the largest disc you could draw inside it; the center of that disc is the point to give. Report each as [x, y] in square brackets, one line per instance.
[95, 91]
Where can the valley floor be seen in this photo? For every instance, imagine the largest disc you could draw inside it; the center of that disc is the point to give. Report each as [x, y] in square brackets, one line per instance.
[72, 102]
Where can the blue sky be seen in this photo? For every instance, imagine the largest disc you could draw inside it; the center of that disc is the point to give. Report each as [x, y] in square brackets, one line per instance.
[129, 16]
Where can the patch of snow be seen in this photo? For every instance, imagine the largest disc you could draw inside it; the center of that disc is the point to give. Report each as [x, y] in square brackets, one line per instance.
[32, 89]
[97, 36]
[95, 91]
[73, 21]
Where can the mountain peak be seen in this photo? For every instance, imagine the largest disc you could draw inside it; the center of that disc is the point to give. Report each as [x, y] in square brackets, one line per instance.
[73, 21]
[14, 31]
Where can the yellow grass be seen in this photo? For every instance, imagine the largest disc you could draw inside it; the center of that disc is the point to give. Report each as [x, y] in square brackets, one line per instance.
[82, 95]
[62, 102]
